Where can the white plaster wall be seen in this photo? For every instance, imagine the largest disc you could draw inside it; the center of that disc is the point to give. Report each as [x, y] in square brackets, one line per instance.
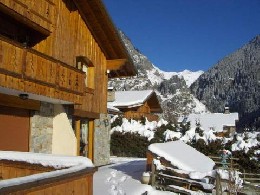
[63, 140]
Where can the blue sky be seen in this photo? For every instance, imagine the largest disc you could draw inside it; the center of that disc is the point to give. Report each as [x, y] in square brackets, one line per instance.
[186, 34]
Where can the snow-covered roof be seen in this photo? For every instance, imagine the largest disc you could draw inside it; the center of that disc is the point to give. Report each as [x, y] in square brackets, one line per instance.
[112, 109]
[130, 98]
[212, 121]
[110, 88]
[182, 156]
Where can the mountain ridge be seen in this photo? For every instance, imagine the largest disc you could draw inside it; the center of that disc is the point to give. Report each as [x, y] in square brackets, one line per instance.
[234, 81]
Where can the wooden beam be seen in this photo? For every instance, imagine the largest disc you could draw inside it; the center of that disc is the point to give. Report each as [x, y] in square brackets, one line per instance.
[91, 140]
[15, 101]
[86, 114]
[77, 131]
[115, 64]
[84, 60]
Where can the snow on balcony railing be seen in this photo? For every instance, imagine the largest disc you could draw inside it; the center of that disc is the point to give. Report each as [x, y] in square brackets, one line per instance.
[62, 166]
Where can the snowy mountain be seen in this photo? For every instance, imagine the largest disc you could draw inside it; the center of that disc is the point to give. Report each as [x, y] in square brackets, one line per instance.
[171, 87]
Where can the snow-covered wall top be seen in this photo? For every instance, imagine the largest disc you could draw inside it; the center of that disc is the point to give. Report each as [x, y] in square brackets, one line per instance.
[183, 156]
[69, 164]
[47, 160]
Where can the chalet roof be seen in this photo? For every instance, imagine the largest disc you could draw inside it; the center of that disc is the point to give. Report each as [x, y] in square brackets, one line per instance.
[182, 156]
[212, 121]
[105, 33]
[112, 109]
[129, 99]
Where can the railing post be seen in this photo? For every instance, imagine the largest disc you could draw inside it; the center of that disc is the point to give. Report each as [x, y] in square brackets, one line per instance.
[77, 131]
[218, 185]
[153, 174]
[24, 62]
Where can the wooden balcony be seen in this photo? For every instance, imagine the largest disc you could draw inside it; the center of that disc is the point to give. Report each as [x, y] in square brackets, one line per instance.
[37, 14]
[139, 115]
[45, 174]
[30, 71]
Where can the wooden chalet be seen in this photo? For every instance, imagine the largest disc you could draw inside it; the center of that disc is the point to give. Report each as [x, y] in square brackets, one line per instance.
[135, 104]
[176, 166]
[55, 59]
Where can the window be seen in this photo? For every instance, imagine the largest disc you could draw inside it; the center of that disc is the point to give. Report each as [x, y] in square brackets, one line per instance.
[19, 32]
[84, 138]
[84, 64]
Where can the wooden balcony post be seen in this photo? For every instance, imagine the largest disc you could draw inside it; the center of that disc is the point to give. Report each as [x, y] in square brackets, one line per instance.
[90, 140]
[77, 131]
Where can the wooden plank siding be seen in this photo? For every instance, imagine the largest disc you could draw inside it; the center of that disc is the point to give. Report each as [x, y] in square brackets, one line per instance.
[78, 182]
[12, 169]
[138, 115]
[75, 28]
[139, 112]
[71, 38]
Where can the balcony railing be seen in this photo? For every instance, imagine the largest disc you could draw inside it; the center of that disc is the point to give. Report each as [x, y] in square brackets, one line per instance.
[139, 115]
[29, 173]
[29, 65]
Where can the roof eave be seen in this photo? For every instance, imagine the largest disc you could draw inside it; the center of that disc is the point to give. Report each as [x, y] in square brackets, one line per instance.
[105, 33]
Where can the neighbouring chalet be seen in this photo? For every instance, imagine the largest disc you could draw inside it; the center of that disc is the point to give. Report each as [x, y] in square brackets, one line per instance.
[55, 60]
[134, 104]
[223, 124]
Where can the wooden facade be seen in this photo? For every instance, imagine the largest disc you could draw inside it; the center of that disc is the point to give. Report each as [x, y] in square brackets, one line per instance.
[61, 51]
[139, 112]
[48, 65]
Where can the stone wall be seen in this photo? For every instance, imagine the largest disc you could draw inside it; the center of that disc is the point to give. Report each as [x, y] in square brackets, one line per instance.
[102, 140]
[42, 129]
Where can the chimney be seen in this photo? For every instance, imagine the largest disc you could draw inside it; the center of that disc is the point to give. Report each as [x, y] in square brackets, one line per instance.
[110, 94]
[226, 110]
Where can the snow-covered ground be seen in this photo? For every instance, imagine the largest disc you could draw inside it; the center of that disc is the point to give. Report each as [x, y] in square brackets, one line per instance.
[122, 177]
[242, 141]
[124, 174]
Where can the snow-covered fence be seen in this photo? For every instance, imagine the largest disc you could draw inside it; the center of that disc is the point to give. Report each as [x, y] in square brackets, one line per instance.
[251, 178]
[230, 162]
[251, 183]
